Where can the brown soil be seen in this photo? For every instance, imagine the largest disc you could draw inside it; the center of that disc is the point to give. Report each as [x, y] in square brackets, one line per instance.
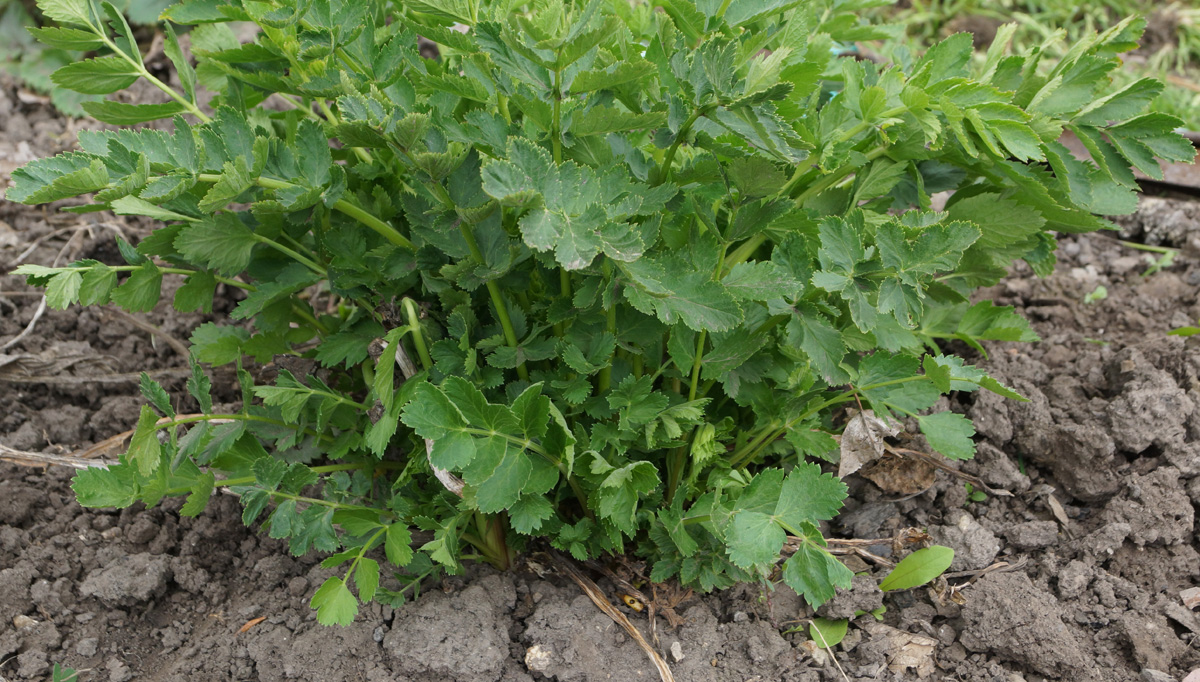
[1099, 534]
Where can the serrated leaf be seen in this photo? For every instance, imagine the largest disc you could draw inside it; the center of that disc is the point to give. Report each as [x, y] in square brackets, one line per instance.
[366, 578]
[754, 539]
[75, 12]
[198, 498]
[949, 433]
[122, 114]
[144, 448]
[58, 177]
[183, 67]
[140, 291]
[680, 296]
[115, 486]
[760, 282]
[196, 293]
[66, 38]
[63, 289]
[98, 76]
[529, 513]
[397, 545]
[156, 394]
[97, 285]
[218, 345]
[812, 571]
[334, 603]
[220, 242]
[200, 387]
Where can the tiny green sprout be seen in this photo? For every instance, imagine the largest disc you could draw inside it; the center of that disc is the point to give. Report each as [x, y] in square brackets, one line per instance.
[1098, 294]
[1165, 259]
[877, 614]
[62, 673]
[974, 495]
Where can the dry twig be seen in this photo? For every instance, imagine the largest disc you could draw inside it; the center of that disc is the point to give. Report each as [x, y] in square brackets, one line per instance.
[940, 463]
[180, 348]
[601, 601]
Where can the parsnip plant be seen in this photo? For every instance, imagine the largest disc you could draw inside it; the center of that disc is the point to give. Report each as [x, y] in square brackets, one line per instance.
[603, 274]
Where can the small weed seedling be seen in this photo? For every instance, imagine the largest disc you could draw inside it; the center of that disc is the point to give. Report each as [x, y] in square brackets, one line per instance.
[603, 274]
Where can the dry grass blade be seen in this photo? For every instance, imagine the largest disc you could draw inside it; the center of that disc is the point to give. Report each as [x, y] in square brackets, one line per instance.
[178, 346]
[37, 315]
[93, 456]
[125, 378]
[601, 601]
[54, 366]
[39, 459]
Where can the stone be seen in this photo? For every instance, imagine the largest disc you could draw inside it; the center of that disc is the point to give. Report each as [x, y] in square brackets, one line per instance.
[975, 547]
[1073, 579]
[87, 647]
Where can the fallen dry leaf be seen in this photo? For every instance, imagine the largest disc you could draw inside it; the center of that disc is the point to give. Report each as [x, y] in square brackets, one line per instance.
[1056, 508]
[251, 623]
[902, 475]
[862, 441]
[904, 650]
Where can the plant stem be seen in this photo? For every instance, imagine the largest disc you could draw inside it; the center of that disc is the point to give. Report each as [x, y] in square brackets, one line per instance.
[700, 339]
[414, 323]
[604, 380]
[144, 73]
[664, 170]
[556, 127]
[344, 206]
[363, 552]
[327, 469]
[747, 453]
[510, 334]
[240, 417]
[293, 254]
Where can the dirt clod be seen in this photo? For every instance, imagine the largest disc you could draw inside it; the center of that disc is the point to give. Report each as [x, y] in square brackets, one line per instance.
[1009, 615]
[128, 580]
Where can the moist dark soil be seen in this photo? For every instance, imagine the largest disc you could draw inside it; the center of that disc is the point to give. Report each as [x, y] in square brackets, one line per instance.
[1085, 560]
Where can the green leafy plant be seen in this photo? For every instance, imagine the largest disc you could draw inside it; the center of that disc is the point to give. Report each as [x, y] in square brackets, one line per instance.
[599, 276]
[1054, 26]
[33, 62]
